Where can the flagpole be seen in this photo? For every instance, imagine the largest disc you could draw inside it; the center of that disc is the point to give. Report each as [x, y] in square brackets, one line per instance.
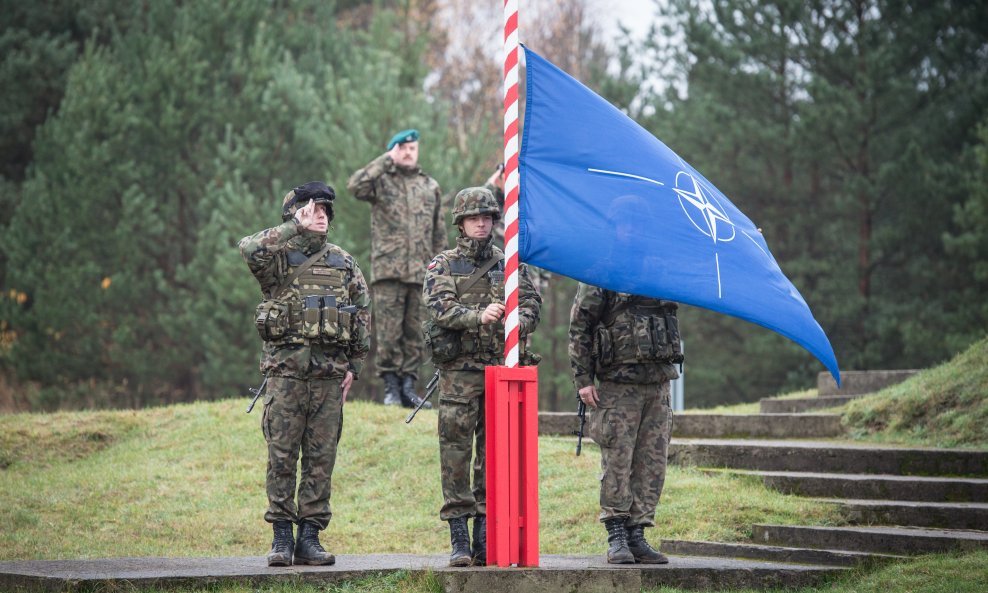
[511, 182]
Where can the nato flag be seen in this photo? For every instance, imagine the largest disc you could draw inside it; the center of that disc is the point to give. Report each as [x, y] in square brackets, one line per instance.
[604, 201]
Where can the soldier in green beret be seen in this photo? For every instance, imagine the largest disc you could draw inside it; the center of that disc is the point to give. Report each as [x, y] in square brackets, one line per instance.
[406, 230]
[464, 295]
[622, 349]
[314, 323]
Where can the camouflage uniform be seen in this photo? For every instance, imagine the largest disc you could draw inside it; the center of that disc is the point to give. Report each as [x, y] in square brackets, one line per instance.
[303, 406]
[461, 385]
[627, 343]
[406, 230]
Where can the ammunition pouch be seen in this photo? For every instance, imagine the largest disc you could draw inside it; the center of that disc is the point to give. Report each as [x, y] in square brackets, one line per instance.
[272, 318]
[443, 345]
[639, 337]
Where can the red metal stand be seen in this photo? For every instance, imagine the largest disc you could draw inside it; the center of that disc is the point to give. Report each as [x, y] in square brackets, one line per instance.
[512, 438]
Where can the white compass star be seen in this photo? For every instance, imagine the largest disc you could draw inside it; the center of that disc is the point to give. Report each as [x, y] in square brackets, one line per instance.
[710, 212]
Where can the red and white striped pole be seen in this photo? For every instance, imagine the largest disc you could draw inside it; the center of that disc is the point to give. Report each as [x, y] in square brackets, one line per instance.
[511, 394]
[511, 147]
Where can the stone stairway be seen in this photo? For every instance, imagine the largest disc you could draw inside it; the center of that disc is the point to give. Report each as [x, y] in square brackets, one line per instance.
[897, 501]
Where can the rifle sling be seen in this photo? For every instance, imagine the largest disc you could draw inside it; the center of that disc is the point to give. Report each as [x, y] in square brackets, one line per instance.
[300, 270]
[483, 269]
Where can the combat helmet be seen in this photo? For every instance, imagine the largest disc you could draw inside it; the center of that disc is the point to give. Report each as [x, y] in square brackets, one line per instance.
[313, 190]
[473, 201]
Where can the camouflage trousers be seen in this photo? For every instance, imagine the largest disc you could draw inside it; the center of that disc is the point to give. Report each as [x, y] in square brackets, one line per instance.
[397, 325]
[461, 430]
[632, 425]
[301, 417]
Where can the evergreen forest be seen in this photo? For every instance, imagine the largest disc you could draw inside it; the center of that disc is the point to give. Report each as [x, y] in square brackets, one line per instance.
[140, 140]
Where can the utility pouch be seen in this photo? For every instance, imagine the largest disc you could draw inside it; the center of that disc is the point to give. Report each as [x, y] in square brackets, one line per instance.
[675, 341]
[330, 319]
[442, 344]
[604, 348]
[347, 316]
[643, 335]
[310, 317]
[272, 318]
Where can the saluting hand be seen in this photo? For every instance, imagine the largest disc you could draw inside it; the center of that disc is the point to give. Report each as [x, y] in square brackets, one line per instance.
[306, 215]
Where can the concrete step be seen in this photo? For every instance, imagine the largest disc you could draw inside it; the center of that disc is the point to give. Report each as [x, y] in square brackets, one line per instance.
[947, 515]
[825, 456]
[773, 553]
[883, 540]
[873, 486]
[859, 382]
[803, 405]
[579, 574]
[721, 425]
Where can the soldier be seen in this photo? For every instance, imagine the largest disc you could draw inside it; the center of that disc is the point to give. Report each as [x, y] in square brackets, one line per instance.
[406, 229]
[629, 344]
[314, 321]
[464, 295]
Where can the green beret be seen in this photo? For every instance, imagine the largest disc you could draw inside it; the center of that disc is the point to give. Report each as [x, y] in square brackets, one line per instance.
[403, 137]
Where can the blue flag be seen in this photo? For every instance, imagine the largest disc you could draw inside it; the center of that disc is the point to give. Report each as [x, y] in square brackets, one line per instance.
[605, 202]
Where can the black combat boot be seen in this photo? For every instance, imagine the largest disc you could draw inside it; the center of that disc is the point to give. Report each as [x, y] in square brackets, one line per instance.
[479, 549]
[617, 541]
[309, 550]
[459, 538]
[409, 398]
[643, 553]
[283, 544]
[392, 389]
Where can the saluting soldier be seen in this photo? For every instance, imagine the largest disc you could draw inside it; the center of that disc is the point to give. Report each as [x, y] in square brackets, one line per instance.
[314, 321]
[406, 231]
[622, 350]
[464, 295]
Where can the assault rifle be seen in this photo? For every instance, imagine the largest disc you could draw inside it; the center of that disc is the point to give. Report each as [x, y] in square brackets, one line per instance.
[430, 388]
[257, 393]
[581, 411]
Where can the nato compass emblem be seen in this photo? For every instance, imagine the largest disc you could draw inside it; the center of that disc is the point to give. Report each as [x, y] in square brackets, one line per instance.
[701, 207]
[707, 209]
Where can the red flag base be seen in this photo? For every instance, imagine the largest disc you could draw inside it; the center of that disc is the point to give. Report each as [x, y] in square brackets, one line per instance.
[512, 459]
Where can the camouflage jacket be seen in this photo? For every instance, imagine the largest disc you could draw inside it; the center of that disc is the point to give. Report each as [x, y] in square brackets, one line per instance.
[591, 306]
[407, 225]
[449, 310]
[266, 255]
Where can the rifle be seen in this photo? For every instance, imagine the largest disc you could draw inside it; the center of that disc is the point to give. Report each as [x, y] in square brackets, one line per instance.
[581, 411]
[430, 388]
[257, 393]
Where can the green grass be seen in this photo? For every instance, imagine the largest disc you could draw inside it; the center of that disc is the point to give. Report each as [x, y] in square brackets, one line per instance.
[188, 480]
[945, 406]
[750, 407]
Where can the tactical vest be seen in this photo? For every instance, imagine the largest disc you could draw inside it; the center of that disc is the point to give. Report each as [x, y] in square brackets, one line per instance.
[484, 341]
[315, 309]
[638, 330]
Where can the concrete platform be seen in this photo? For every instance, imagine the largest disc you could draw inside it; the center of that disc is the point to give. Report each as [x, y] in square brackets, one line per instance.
[774, 553]
[760, 426]
[948, 515]
[873, 486]
[825, 456]
[802, 405]
[860, 382]
[886, 540]
[574, 574]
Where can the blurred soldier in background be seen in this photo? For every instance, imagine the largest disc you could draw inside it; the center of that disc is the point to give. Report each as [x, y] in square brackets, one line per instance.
[628, 344]
[464, 295]
[406, 230]
[314, 322]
